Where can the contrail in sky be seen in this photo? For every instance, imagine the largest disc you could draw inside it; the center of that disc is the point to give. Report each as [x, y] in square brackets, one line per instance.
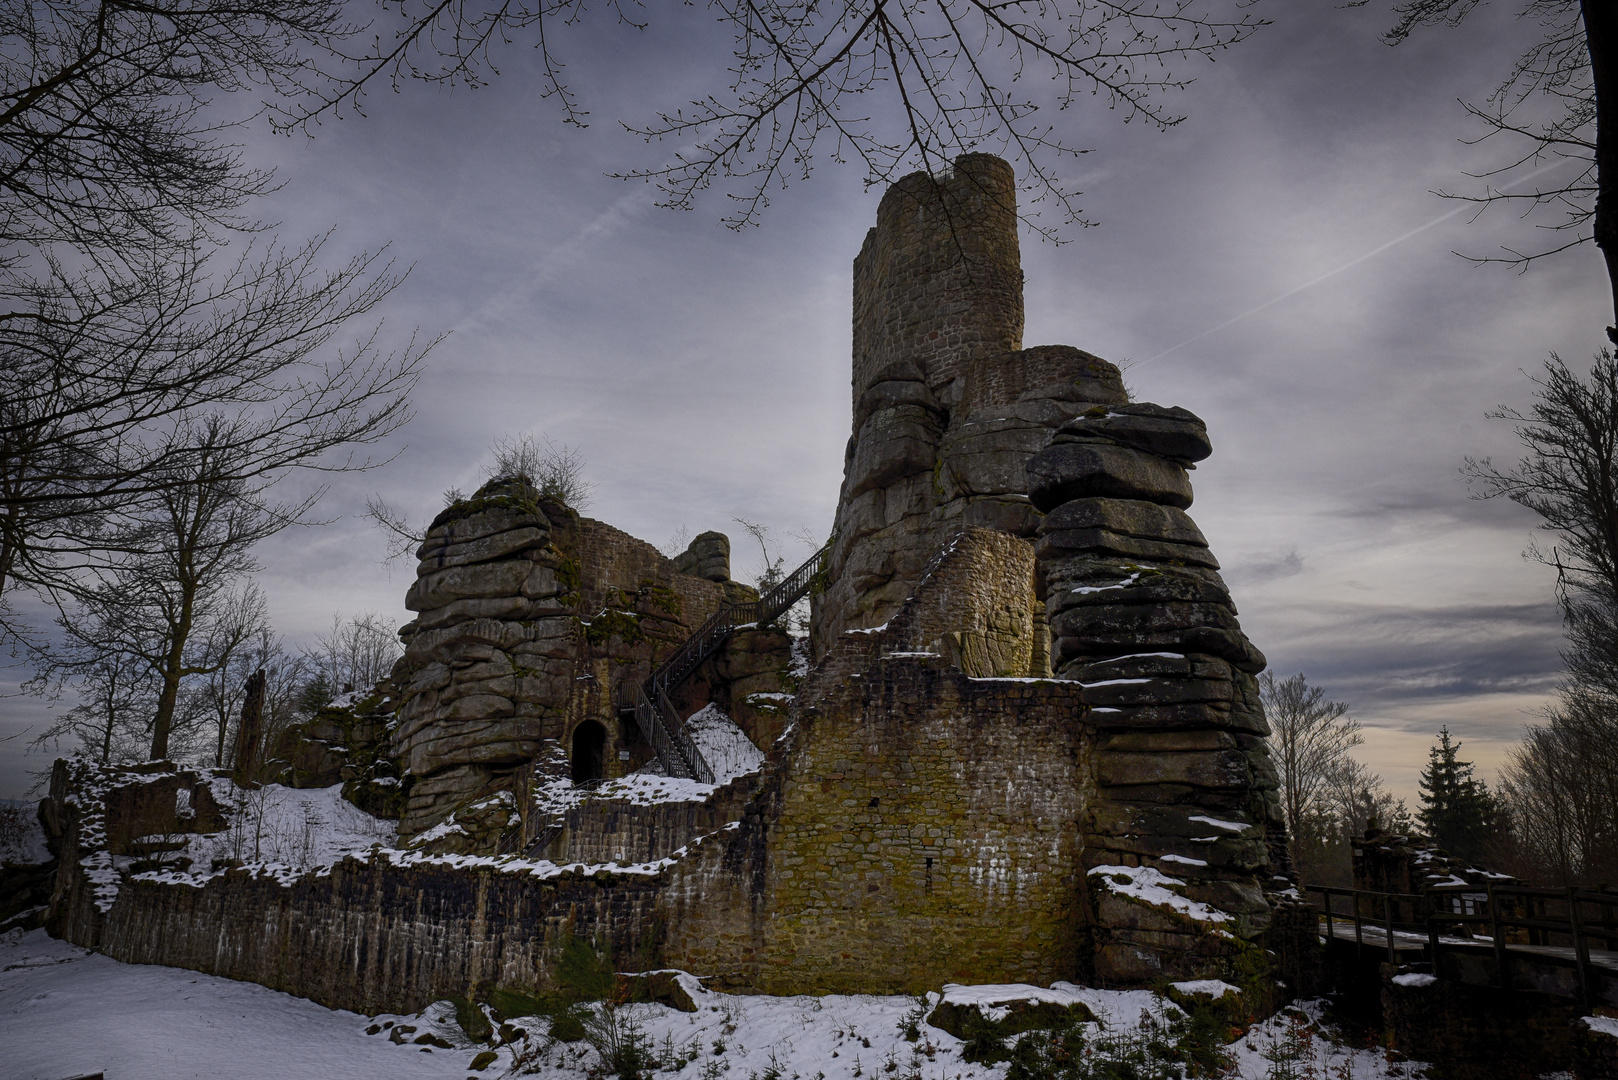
[1401, 238]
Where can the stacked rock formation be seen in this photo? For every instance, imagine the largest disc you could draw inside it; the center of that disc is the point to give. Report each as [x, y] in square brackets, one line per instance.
[708, 556]
[489, 658]
[1139, 616]
[948, 406]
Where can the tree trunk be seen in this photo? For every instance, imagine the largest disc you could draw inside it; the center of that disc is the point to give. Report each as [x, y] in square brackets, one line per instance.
[247, 733]
[1601, 37]
[173, 671]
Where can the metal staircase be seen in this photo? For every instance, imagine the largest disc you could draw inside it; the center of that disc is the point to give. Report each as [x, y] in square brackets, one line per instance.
[658, 720]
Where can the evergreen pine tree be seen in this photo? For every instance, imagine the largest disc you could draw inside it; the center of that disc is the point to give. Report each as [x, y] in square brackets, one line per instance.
[1457, 810]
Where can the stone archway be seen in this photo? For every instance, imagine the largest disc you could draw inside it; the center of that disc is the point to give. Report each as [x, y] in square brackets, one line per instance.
[589, 751]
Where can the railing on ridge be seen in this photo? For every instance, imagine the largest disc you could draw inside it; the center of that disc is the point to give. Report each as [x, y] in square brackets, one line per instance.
[658, 720]
[1452, 909]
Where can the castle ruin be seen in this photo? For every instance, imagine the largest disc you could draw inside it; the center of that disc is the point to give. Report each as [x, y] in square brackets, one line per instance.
[1025, 744]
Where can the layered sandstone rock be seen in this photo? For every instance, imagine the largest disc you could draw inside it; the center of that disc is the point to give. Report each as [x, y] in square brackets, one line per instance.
[534, 627]
[1140, 617]
[489, 659]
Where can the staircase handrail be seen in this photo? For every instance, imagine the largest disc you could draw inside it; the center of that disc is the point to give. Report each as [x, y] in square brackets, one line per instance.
[658, 720]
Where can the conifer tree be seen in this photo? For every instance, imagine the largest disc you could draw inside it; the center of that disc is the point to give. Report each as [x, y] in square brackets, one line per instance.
[1457, 810]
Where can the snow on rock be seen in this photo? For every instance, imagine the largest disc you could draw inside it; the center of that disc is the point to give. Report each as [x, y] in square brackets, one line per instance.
[1603, 1025]
[1214, 988]
[1154, 887]
[1414, 978]
[1228, 826]
[724, 746]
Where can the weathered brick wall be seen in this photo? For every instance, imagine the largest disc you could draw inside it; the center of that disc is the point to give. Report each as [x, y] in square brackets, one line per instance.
[939, 279]
[975, 606]
[606, 830]
[914, 813]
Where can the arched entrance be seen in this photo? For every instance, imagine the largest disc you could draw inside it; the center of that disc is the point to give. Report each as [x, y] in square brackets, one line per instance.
[589, 749]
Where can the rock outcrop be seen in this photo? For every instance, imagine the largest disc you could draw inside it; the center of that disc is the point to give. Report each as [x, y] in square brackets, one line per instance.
[488, 661]
[1141, 619]
[534, 627]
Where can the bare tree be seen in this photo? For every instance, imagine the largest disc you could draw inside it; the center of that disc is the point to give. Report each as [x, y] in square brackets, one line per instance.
[1310, 740]
[1560, 785]
[1570, 64]
[170, 591]
[358, 653]
[556, 472]
[101, 398]
[116, 700]
[1559, 793]
[1569, 477]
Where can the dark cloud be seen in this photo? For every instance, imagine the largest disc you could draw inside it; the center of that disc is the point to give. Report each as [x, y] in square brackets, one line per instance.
[704, 374]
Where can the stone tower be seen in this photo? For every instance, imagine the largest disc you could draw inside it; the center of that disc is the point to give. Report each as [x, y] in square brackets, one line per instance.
[947, 404]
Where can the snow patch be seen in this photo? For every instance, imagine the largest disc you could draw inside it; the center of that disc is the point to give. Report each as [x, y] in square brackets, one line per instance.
[1414, 978]
[69, 1011]
[724, 746]
[1602, 1025]
[1214, 988]
[1154, 887]
[1228, 826]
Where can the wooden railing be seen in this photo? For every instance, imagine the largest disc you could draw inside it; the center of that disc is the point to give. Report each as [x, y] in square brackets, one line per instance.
[1546, 914]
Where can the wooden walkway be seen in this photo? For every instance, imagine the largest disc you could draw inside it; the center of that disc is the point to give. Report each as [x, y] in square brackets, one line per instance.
[1556, 941]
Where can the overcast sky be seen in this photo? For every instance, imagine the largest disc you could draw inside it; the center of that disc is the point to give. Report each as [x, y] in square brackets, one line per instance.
[1277, 264]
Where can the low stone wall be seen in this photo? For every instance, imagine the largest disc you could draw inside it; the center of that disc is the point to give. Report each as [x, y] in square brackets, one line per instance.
[376, 937]
[1595, 1048]
[617, 830]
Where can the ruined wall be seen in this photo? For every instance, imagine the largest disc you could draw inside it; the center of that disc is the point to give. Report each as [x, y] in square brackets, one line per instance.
[605, 830]
[912, 807]
[376, 937]
[532, 621]
[938, 281]
[920, 809]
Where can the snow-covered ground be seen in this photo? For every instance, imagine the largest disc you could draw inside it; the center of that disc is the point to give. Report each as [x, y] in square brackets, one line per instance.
[298, 827]
[724, 746]
[65, 1011]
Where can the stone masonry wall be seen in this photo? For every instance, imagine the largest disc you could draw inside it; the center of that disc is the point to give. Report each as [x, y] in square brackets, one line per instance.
[922, 828]
[938, 281]
[605, 830]
[975, 606]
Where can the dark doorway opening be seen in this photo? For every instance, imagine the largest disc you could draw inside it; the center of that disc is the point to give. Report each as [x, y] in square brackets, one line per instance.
[589, 746]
